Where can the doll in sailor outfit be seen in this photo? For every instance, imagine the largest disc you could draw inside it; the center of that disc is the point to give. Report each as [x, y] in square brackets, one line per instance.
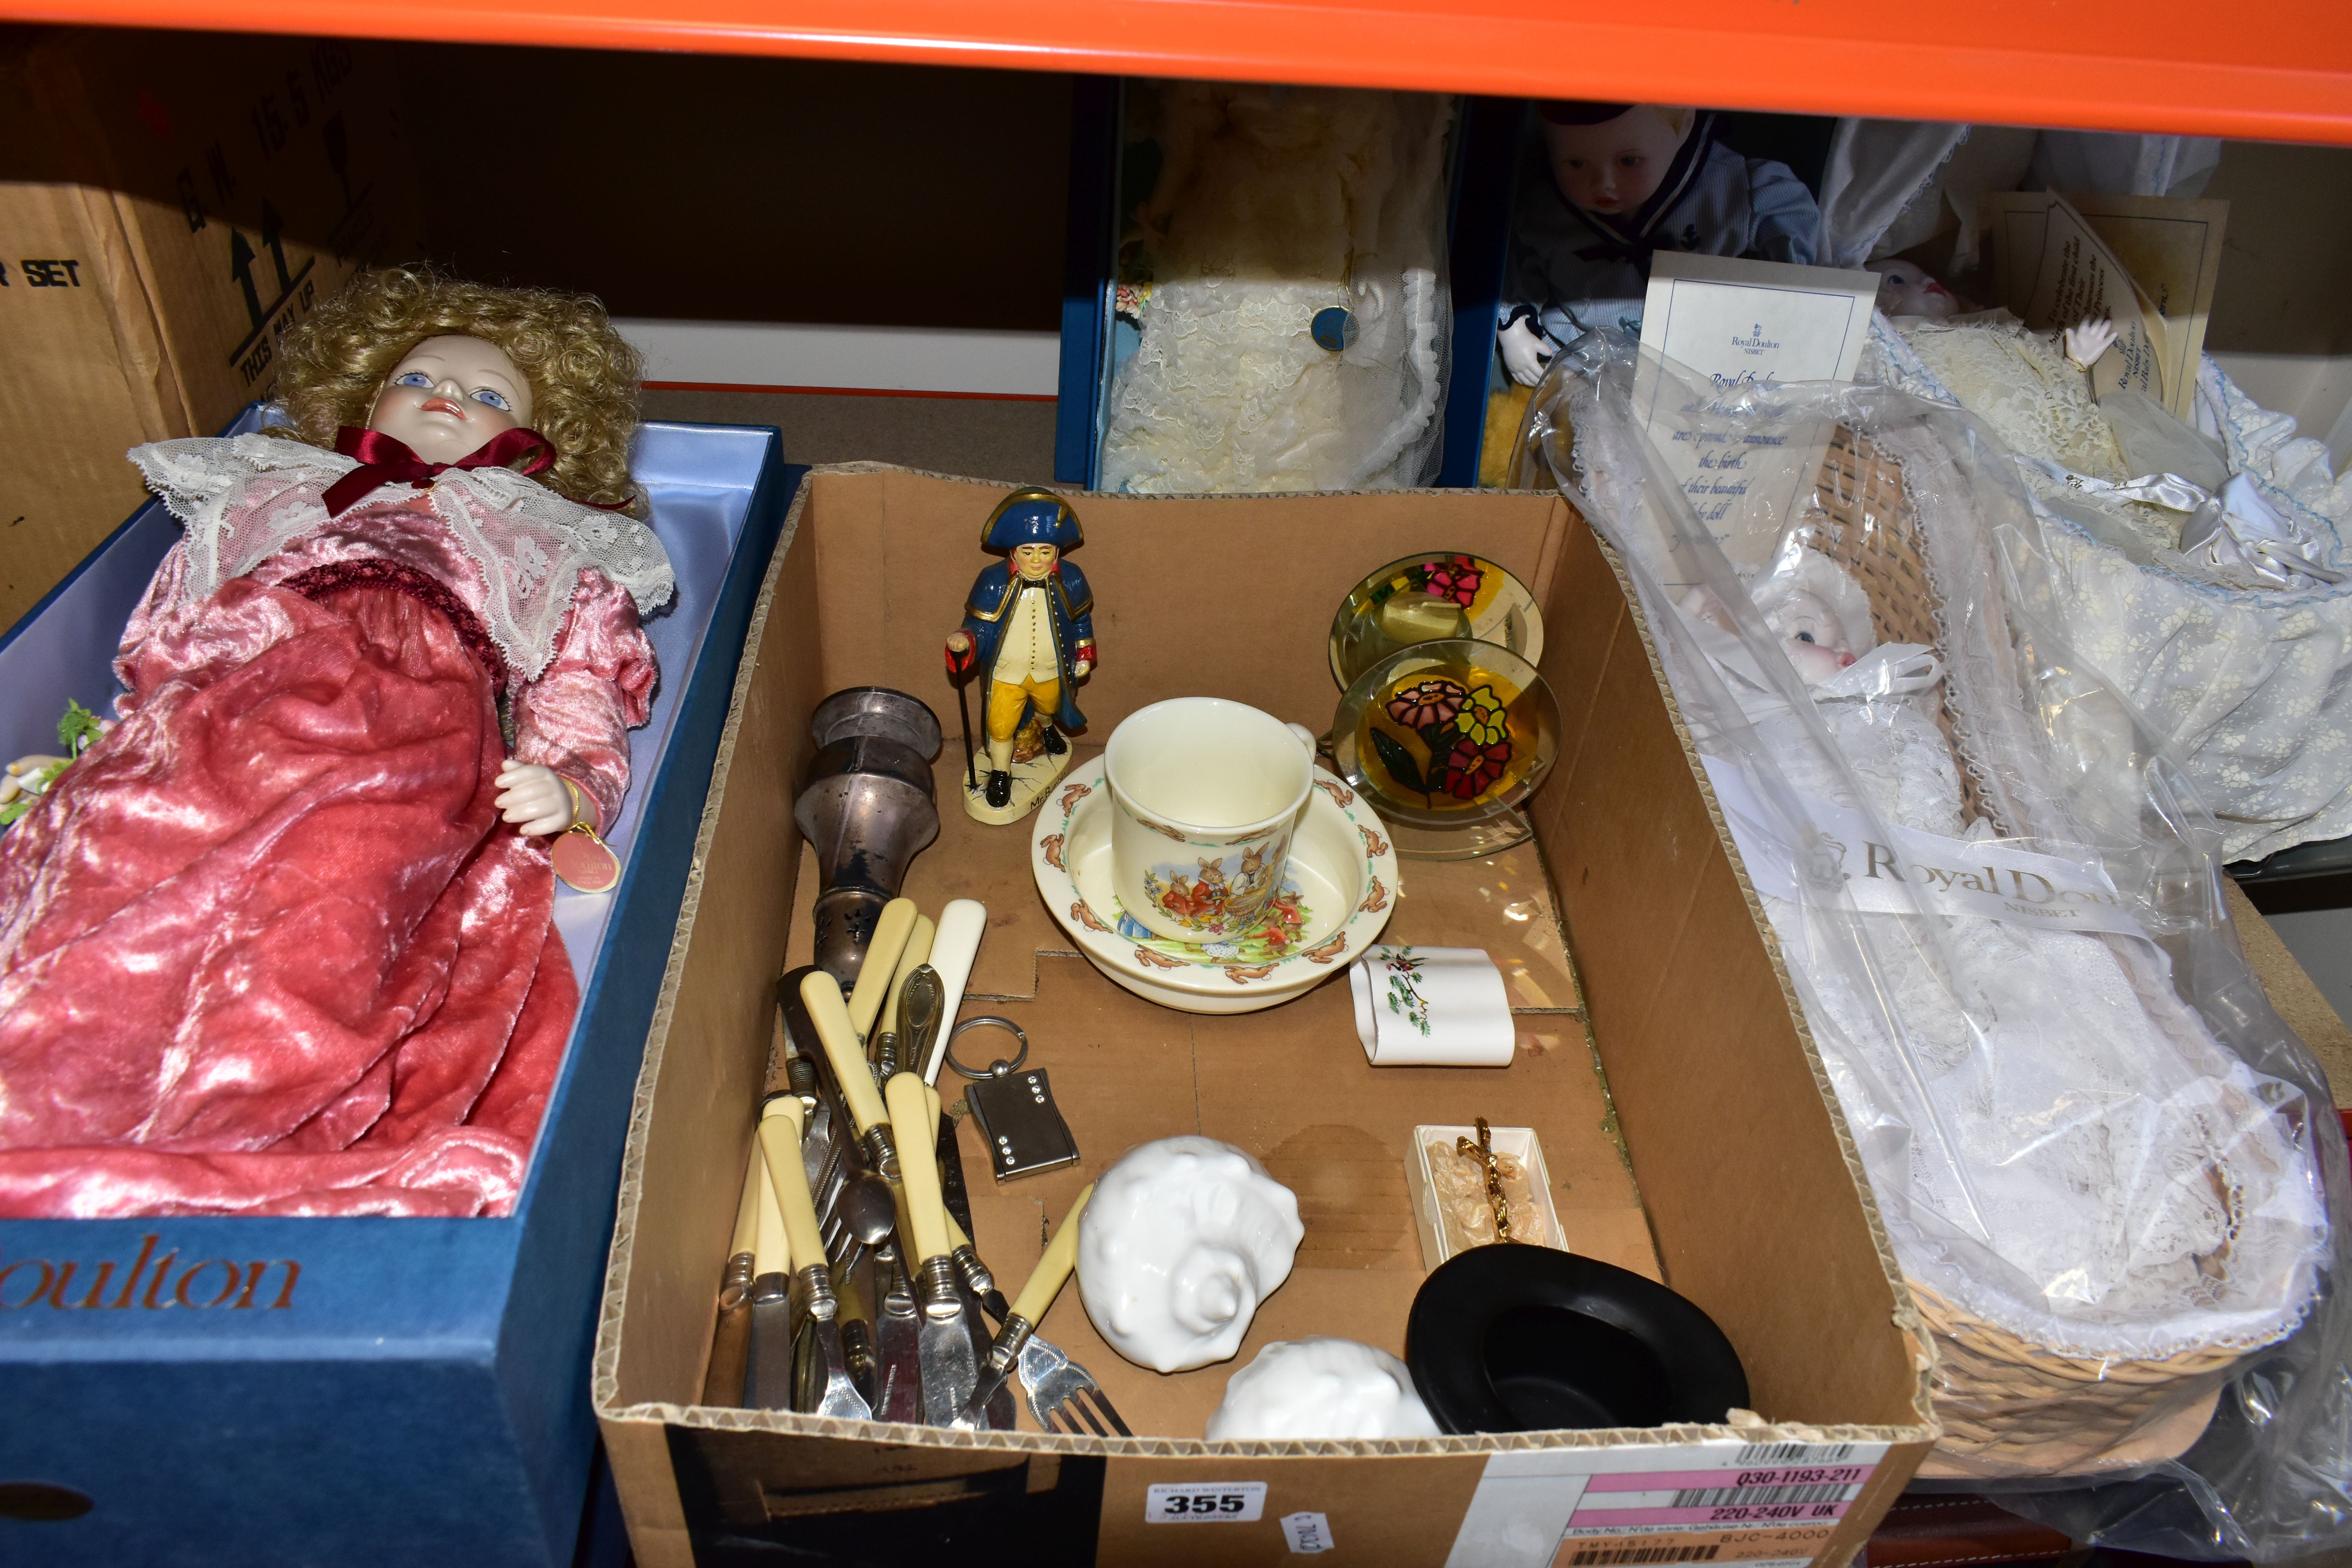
[1618, 183]
[1028, 631]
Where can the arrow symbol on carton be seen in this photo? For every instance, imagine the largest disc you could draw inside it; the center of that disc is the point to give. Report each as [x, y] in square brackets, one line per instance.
[272, 228]
[240, 267]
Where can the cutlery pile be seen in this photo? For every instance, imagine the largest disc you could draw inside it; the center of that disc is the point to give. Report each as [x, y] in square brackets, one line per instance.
[853, 1287]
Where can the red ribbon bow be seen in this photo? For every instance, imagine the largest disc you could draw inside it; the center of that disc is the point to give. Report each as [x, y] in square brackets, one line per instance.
[388, 460]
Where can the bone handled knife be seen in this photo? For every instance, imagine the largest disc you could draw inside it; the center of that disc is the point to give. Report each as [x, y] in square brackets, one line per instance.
[729, 1341]
[969, 1268]
[983, 1302]
[950, 1366]
[961, 925]
[892, 927]
[897, 1331]
[768, 1369]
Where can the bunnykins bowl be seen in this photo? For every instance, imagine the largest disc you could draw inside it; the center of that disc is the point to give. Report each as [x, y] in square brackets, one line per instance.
[1337, 893]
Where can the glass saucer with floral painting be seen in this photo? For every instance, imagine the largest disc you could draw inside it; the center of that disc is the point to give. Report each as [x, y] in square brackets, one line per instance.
[1448, 738]
[1425, 597]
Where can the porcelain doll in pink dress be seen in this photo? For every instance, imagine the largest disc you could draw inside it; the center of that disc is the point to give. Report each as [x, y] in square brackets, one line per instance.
[281, 940]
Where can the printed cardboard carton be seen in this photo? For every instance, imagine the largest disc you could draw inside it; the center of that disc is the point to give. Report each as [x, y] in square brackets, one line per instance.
[1734, 1181]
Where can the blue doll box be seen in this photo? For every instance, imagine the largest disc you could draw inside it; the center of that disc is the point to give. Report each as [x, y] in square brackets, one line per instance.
[370, 1391]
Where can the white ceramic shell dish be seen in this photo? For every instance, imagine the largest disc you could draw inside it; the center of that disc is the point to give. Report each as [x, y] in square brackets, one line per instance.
[1336, 896]
[1182, 1240]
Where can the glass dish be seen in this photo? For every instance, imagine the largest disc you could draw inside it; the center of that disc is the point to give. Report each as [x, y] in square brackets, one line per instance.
[1422, 598]
[1447, 738]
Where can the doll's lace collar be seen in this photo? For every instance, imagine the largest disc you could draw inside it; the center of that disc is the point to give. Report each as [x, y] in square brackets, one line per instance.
[243, 499]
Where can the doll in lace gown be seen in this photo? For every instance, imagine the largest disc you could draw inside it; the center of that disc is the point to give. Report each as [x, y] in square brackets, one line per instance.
[281, 940]
[2134, 1189]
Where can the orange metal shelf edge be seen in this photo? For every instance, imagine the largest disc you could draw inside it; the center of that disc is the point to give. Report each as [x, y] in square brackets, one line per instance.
[2281, 70]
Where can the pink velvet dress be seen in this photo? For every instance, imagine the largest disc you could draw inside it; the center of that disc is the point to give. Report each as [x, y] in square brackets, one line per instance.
[268, 948]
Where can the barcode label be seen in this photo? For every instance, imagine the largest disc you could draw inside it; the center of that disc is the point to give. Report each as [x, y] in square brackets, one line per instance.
[1608, 1558]
[1794, 1453]
[1745, 1497]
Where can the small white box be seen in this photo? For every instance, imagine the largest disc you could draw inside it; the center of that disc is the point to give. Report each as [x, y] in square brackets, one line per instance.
[1440, 1242]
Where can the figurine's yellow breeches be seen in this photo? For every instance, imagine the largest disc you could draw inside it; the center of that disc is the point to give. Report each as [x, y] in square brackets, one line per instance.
[1006, 700]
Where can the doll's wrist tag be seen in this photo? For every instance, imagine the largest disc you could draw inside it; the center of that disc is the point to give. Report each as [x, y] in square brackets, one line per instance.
[585, 862]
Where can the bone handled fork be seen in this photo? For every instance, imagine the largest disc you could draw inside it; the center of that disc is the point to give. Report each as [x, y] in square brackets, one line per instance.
[1060, 1392]
[821, 1381]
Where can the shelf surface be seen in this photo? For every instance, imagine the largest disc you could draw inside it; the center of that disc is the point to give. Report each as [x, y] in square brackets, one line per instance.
[2281, 70]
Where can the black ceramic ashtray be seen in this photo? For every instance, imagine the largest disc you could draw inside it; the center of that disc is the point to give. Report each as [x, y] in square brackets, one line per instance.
[1512, 1338]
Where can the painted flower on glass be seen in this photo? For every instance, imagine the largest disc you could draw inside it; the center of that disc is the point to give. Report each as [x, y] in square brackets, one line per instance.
[1472, 768]
[1481, 718]
[1432, 704]
[1457, 579]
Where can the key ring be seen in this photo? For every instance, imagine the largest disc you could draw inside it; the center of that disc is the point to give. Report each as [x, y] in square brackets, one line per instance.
[997, 1069]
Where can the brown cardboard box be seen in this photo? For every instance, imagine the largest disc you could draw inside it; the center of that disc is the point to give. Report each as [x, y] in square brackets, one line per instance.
[1736, 1183]
[170, 204]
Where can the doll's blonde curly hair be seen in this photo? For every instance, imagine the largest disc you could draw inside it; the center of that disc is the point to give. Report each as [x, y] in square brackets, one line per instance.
[584, 376]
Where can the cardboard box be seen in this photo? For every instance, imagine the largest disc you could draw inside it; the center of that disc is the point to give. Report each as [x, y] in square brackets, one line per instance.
[170, 204]
[1732, 1149]
[373, 1391]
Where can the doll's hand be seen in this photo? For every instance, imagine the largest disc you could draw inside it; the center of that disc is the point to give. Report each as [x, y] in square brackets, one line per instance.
[2086, 343]
[533, 798]
[1525, 352]
[1078, 669]
[960, 657]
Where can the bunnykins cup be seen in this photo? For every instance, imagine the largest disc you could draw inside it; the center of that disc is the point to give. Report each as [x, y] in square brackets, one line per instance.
[1205, 795]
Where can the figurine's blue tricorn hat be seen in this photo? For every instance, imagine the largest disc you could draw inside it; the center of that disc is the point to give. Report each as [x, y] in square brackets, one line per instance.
[1031, 516]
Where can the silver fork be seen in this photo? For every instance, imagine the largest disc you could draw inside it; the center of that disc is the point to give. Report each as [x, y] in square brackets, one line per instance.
[1061, 1393]
[1060, 1388]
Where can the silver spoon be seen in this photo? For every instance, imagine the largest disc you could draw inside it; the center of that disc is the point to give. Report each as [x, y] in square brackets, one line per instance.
[920, 1009]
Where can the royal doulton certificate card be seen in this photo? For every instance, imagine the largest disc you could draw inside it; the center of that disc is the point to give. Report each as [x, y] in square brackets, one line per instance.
[1728, 322]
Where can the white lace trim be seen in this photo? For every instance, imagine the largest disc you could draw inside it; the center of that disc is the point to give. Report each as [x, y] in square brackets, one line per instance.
[1300, 199]
[243, 499]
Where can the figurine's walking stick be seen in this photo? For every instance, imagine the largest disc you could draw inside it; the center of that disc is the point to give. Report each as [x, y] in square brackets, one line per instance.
[963, 713]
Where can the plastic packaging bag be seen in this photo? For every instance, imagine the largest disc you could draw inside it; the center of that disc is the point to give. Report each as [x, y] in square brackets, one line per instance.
[2104, 1164]
[2203, 570]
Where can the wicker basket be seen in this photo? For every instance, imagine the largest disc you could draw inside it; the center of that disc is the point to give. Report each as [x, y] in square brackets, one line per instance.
[2008, 1405]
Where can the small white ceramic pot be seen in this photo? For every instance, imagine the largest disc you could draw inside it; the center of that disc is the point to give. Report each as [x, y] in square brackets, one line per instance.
[1432, 1007]
[1207, 795]
[1319, 1390]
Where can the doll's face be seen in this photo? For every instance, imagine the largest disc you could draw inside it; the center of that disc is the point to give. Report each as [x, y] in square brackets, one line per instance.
[449, 395]
[1616, 165]
[1904, 290]
[1810, 635]
[1034, 561]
